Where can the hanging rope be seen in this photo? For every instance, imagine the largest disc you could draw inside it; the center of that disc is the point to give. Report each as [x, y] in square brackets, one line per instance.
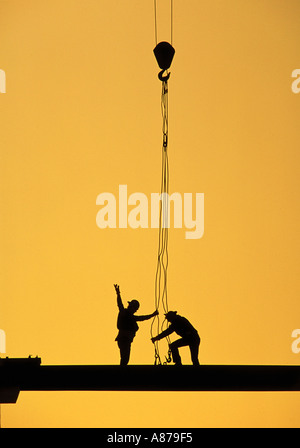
[161, 277]
[164, 53]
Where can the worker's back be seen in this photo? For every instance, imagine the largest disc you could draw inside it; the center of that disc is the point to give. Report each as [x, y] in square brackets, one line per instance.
[183, 327]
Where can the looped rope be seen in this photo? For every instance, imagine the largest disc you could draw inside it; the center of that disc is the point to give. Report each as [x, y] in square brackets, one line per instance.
[157, 361]
[161, 293]
[164, 53]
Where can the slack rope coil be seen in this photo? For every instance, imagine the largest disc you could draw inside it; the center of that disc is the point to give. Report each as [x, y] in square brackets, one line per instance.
[161, 277]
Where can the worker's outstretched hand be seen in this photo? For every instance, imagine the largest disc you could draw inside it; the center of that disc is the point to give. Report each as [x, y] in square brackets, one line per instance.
[156, 313]
[117, 288]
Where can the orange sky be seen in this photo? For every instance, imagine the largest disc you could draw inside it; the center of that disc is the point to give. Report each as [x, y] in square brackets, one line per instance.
[81, 116]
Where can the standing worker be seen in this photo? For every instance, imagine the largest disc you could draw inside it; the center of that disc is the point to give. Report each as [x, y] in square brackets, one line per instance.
[189, 336]
[127, 325]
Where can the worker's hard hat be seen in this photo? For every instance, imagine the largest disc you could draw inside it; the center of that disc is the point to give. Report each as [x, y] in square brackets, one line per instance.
[135, 304]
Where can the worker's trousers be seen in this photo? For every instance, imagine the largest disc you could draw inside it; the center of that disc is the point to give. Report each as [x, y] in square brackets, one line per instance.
[193, 342]
[124, 346]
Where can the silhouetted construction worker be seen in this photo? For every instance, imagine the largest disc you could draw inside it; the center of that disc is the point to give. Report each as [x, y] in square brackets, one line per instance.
[127, 325]
[189, 336]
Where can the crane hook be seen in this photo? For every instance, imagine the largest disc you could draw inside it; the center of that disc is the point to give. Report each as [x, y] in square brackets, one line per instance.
[163, 78]
[169, 358]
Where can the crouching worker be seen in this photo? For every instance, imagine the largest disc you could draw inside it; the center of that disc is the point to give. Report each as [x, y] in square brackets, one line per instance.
[189, 336]
[127, 325]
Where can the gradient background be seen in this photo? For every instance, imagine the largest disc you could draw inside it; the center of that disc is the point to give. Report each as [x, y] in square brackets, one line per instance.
[82, 115]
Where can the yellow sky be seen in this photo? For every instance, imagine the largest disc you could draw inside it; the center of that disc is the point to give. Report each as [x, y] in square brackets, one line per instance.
[81, 116]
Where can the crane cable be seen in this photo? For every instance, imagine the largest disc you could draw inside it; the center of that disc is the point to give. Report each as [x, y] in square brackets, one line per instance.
[161, 277]
[155, 21]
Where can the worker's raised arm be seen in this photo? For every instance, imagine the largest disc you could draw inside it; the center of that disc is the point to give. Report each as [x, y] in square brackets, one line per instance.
[119, 300]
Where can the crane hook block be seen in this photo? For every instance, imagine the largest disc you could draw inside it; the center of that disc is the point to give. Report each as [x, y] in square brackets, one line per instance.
[164, 53]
